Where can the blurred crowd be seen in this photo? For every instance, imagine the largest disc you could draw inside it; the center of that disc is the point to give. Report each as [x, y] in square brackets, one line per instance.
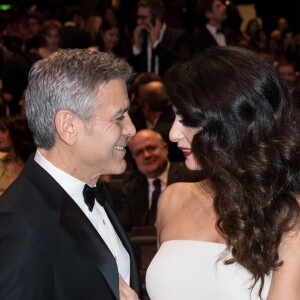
[151, 35]
[170, 30]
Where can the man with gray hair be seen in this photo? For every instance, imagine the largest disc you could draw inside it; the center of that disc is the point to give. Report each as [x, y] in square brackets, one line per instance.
[56, 241]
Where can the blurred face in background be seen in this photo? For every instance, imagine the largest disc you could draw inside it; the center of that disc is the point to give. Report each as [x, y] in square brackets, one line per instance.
[143, 16]
[52, 38]
[5, 141]
[22, 104]
[218, 12]
[34, 26]
[150, 153]
[111, 38]
[288, 74]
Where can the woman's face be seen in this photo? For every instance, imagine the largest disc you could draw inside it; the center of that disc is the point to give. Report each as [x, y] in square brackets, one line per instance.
[5, 141]
[52, 38]
[111, 38]
[183, 136]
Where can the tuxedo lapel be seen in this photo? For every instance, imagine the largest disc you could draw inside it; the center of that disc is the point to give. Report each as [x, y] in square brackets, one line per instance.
[75, 222]
[82, 230]
[141, 196]
[134, 277]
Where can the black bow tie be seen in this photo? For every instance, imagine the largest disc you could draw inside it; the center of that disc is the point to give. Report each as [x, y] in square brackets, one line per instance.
[90, 194]
[220, 31]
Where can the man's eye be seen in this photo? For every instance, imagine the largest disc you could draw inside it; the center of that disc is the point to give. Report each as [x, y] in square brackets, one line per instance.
[151, 148]
[120, 118]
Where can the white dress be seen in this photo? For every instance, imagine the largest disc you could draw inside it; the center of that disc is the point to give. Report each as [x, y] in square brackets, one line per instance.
[190, 270]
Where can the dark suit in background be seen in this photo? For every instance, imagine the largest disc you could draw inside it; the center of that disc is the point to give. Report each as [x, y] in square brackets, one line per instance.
[172, 48]
[134, 203]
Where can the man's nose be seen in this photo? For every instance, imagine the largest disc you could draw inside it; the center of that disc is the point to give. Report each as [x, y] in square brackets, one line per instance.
[147, 153]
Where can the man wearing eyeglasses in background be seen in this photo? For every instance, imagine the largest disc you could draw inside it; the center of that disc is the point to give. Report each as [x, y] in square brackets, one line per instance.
[155, 45]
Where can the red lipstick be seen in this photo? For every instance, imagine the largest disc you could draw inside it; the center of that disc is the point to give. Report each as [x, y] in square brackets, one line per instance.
[186, 151]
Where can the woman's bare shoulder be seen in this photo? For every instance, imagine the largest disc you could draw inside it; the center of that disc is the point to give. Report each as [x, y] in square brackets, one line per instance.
[178, 190]
[183, 194]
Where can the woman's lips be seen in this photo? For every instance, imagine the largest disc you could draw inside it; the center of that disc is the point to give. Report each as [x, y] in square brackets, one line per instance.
[186, 151]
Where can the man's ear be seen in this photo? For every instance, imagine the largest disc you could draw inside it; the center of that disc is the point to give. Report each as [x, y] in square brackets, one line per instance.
[65, 124]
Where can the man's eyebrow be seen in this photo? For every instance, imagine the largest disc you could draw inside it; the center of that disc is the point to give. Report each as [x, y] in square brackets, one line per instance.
[121, 111]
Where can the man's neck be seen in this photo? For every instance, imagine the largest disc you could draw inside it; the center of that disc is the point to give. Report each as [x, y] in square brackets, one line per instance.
[65, 161]
[215, 24]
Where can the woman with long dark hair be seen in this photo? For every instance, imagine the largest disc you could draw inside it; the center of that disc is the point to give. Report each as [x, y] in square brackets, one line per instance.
[112, 39]
[236, 234]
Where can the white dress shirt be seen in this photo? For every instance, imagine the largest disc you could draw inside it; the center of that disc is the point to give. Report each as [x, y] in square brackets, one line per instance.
[218, 36]
[98, 217]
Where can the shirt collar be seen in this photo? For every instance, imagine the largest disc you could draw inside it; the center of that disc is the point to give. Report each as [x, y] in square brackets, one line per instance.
[163, 176]
[212, 29]
[70, 184]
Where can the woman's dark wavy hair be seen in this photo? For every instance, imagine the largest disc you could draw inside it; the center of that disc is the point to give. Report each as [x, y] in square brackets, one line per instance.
[248, 146]
[20, 135]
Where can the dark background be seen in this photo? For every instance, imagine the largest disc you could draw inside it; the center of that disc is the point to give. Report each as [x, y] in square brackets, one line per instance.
[268, 10]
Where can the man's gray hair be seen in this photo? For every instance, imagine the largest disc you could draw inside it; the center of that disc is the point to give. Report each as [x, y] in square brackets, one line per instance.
[68, 79]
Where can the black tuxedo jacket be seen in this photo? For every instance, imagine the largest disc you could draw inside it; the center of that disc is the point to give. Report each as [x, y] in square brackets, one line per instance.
[172, 48]
[203, 39]
[133, 207]
[48, 247]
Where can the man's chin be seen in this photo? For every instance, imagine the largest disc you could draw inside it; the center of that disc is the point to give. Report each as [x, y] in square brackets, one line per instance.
[121, 168]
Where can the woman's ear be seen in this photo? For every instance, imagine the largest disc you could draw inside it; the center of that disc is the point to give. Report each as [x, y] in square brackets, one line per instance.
[65, 126]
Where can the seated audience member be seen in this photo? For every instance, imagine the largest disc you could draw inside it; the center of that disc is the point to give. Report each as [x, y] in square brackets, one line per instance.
[139, 81]
[22, 104]
[135, 110]
[112, 38]
[73, 33]
[16, 144]
[14, 70]
[156, 46]
[137, 204]
[288, 73]
[211, 14]
[155, 112]
[35, 21]
[51, 34]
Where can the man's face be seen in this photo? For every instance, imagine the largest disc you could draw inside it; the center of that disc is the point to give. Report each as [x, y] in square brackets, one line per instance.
[149, 152]
[5, 141]
[34, 26]
[288, 74]
[101, 143]
[143, 16]
[218, 12]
